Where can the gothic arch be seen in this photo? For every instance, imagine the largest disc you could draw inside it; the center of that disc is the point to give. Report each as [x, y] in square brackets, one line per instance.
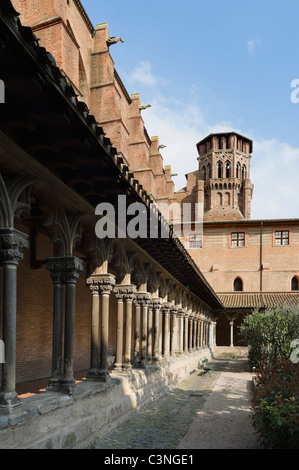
[228, 169]
[220, 169]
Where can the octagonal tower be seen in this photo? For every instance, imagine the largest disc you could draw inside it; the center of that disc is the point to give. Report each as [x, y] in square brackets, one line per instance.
[224, 167]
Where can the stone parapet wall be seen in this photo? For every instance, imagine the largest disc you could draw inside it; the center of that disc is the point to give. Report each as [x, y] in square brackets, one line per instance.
[57, 421]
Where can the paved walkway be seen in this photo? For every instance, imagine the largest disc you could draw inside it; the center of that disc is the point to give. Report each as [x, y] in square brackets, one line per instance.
[205, 411]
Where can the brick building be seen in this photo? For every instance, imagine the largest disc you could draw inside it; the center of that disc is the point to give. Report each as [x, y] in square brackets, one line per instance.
[249, 263]
[107, 324]
[91, 327]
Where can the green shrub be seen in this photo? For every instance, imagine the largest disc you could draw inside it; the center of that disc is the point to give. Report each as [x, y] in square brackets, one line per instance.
[271, 333]
[275, 403]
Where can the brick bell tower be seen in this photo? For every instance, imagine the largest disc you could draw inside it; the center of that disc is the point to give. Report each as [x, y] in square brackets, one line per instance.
[224, 169]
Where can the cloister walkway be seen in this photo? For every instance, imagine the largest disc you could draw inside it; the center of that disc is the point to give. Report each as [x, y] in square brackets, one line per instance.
[205, 411]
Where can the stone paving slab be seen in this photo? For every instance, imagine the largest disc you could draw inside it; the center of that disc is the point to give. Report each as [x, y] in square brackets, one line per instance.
[224, 420]
[176, 420]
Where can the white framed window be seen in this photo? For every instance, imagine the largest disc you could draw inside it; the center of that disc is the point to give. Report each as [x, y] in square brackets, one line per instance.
[195, 240]
[282, 238]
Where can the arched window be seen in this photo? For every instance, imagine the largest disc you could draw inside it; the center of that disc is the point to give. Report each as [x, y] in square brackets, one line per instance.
[227, 199]
[238, 285]
[204, 173]
[227, 170]
[219, 199]
[209, 171]
[238, 173]
[244, 171]
[219, 170]
[295, 283]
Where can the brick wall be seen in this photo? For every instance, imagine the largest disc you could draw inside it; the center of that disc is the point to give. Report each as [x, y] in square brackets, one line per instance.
[221, 264]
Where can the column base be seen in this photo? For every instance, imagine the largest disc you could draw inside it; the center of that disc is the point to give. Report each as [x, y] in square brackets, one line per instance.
[118, 368]
[98, 375]
[67, 386]
[54, 385]
[127, 368]
[10, 404]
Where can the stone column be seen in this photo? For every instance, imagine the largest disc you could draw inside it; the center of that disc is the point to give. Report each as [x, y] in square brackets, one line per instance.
[150, 332]
[231, 334]
[166, 311]
[128, 298]
[173, 314]
[180, 316]
[58, 315]
[137, 335]
[106, 284]
[118, 367]
[71, 275]
[186, 332]
[95, 330]
[12, 243]
[201, 334]
[63, 271]
[157, 302]
[190, 348]
[143, 298]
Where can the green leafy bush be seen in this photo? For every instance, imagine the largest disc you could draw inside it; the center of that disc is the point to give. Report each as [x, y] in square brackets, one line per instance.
[275, 403]
[271, 333]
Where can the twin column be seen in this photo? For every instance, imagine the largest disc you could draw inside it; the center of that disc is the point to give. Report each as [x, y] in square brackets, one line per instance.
[64, 273]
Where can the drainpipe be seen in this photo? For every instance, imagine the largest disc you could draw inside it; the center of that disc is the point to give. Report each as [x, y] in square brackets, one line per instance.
[261, 258]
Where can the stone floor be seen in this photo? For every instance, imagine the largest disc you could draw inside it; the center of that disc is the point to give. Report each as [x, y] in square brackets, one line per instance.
[204, 411]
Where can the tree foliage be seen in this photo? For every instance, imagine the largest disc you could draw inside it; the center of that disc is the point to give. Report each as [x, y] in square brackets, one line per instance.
[271, 333]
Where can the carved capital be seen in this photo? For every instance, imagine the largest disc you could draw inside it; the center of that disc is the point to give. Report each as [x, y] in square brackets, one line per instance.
[64, 269]
[181, 313]
[103, 282]
[143, 299]
[125, 292]
[166, 307]
[12, 243]
[157, 303]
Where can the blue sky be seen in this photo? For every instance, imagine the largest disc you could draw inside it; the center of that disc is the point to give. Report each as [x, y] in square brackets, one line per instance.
[208, 66]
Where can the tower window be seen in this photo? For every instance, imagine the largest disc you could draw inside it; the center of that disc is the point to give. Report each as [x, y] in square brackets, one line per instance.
[295, 284]
[219, 170]
[282, 238]
[227, 168]
[238, 239]
[238, 285]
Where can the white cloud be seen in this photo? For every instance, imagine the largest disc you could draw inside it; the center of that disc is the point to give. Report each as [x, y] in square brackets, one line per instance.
[252, 44]
[275, 169]
[142, 74]
[181, 125]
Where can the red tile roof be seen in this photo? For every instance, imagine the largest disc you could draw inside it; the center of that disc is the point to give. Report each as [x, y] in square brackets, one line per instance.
[258, 299]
